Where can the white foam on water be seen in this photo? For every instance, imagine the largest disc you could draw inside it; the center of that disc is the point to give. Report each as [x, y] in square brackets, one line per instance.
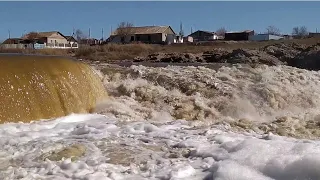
[196, 153]
[260, 94]
[159, 123]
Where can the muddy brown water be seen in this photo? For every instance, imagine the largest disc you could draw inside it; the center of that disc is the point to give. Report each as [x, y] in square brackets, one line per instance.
[36, 87]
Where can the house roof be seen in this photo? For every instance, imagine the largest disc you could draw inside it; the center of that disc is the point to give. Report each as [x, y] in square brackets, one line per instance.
[70, 38]
[144, 30]
[315, 33]
[208, 32]
[245, 31]
[11, 40]
[263, 34]
[45, 34]
[20, 40]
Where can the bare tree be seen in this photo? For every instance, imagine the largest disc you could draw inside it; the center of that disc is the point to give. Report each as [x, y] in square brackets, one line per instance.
[304, 31]
[79, 35]
[221, 31]
[295, 31]
[124, 29]
[300, 31]
[272, 30]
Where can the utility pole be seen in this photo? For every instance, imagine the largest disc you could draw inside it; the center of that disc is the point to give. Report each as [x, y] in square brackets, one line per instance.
[9, 34]
[181, 33]
[89, 36]
[102, 34]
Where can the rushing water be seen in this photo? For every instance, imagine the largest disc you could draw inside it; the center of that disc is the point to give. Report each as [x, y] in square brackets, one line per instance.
[245, 97]
[42, 87]
[178, 122]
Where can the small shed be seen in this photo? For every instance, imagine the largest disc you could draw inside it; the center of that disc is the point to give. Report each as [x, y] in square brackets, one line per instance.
[264, 37]
[314, 34]
[238, 35]
[201, 35]
[187, 39]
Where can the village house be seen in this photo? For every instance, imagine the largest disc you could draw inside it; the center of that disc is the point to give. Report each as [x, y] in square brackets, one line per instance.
[204, 36]
[314, 35]
[16, 43]
[238, 35]
[40, 40]
[144, 34]
[54, 39]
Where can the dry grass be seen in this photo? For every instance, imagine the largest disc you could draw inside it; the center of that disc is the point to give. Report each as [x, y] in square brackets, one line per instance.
[114, 52]
[111, 52]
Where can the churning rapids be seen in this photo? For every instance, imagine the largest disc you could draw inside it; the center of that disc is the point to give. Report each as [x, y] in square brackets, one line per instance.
[173, 122]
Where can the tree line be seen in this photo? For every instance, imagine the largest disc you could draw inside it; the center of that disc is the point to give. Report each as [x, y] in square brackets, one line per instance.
[301, 31]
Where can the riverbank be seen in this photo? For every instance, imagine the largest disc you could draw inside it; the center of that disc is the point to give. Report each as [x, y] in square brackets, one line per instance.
[267, 52]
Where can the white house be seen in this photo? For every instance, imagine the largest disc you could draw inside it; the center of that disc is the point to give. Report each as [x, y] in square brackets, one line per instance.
[52, 39]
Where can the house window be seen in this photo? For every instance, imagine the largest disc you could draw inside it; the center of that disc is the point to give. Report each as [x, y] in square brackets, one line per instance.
[122, 39]
[149, 38]
[138, 38]
[132, 38]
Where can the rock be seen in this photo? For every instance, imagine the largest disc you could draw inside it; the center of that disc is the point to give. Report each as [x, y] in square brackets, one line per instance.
[216, 55]
[242, 123]
[73, 152]
[291, 54]
[283, 52]
[251, 57]
[171, 58]
[138, 59]
[307, 59]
